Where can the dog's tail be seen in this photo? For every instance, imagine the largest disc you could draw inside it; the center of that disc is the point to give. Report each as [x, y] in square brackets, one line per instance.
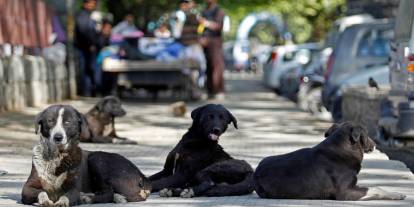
[242, 188]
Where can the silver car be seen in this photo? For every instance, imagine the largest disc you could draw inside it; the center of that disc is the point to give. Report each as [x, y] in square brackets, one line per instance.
[284, 58]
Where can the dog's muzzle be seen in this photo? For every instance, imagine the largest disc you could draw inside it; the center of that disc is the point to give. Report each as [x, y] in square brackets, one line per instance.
[58, 138]
[215, 134]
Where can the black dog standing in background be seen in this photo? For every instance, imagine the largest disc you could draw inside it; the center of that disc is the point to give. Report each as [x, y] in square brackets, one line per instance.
[327, 171]
[101, 121]
[64, 175]
[198, 165]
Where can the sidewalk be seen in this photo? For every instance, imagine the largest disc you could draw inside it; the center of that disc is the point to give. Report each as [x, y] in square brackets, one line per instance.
[268, 125]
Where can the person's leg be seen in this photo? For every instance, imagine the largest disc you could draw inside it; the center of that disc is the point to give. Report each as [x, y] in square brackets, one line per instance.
[85, 82]
[97, 75]
[209, 71]
[218, 66]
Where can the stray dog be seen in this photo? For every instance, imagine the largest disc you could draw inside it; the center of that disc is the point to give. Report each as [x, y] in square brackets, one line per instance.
[327, 171]
[62, 171]
[58, 165]
[198, 165]
[101, 121]
[117, 179]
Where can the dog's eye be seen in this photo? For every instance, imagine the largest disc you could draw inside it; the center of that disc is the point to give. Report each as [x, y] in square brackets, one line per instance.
[50, 121]
[67, 122]
[221, 117]
[211, 116]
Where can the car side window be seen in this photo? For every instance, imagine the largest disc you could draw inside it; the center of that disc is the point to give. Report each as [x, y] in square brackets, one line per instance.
[375, 43]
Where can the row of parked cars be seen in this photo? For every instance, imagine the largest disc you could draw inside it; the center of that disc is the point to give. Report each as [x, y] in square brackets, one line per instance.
[357, 49]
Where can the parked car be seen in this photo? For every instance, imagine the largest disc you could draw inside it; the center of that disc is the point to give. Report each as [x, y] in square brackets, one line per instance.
[397, 118]
[341, 24]
[359, 47]
[258, 56]
[282, 59]
[310, 89]
[291, 80]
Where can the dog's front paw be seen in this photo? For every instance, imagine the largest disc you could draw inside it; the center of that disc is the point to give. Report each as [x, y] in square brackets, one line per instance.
[118, 198]
[144, 194]
[166, 192]
[123, 141]
[44, 200]
[62, 202]
[396, 196]
[187, 193]
[86, 198]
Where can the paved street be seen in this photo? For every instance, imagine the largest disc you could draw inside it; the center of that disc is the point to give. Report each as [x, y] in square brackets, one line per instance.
[268, 125]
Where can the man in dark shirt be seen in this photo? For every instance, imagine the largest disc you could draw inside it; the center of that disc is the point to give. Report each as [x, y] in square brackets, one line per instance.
[86, 40]
[212, 20]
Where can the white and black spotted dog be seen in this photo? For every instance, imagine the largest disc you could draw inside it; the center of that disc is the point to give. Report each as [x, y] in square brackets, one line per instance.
[65, 175]
[58, 162]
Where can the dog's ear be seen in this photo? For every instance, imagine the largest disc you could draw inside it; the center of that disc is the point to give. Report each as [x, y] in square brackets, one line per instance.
[196, 113]
[331, 130]
[356, 133]
[100, 105]
[232, 119]
[38, 122]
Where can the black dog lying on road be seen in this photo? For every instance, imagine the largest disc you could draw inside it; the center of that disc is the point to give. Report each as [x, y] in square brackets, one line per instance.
[61, 170]
[101, 121]
[327, 171]
[198, 165]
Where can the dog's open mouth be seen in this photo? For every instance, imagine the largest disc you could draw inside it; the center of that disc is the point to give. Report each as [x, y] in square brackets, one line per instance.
[214, 137]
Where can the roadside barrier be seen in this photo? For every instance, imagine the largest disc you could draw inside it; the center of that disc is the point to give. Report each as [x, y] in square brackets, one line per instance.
[362, 105]
[32, 81]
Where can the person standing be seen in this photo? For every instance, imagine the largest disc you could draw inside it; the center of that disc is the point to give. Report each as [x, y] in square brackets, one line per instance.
[125, 27]
[213, 18]
[86, 36]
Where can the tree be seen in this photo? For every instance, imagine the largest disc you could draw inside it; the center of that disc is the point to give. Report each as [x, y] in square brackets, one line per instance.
[307, 20]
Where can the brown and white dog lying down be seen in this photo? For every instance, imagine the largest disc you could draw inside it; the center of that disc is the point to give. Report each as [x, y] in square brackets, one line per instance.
[326, 171]
[101, 121]
[64, 175]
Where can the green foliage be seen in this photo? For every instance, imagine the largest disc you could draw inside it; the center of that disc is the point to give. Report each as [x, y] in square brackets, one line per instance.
[307, 20]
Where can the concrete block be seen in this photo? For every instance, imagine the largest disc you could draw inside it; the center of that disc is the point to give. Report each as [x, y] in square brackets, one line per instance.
[15, 80]
[362, 105]
[36, 87]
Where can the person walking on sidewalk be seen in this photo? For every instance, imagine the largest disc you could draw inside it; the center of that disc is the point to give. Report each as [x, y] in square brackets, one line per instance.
[213, 18]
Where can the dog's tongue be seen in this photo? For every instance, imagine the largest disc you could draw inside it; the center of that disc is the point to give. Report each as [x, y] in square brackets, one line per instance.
[214, 137]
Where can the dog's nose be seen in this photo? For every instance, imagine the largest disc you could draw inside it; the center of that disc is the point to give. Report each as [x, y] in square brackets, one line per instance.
[58, 137]
[216, 131]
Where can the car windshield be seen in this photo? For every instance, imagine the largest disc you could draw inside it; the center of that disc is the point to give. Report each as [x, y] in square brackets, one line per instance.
[375, 43]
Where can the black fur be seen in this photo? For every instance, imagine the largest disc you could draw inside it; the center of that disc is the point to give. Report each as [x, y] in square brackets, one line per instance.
[199, 162]
[327, 171]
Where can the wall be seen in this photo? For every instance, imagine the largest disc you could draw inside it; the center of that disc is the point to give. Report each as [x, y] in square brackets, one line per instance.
[33, 81]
